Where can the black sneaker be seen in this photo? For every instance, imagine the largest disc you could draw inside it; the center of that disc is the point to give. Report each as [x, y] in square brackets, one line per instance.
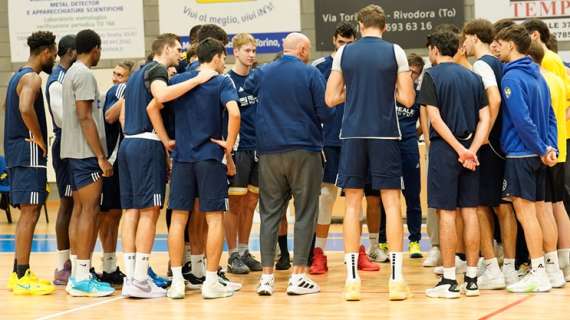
[94, 274]
[114, 278]
[284, 262]
[446, 288]
[193, 282]
[251, 262]
[186, 268]
[470, 287]
[236, 265]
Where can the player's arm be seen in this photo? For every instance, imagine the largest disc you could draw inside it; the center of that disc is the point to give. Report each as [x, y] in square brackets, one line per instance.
[89, 129]
[494, 98]
[335, 93]
[424, 124]
[482, 130]
[113, 114]
[234, 119]
[405, 92]
[56, 101]
[153, 112]
[163, 93]
[30, 87]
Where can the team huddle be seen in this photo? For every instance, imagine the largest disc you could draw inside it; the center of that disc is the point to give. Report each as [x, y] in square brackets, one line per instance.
[495, 133]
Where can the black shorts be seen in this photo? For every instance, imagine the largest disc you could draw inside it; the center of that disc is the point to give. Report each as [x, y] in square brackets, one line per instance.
[370, 161]
[491, 173]
[247, 173]
[554, 191]
[111, 194]
[450, 185]
[332, 159]
[525, 178]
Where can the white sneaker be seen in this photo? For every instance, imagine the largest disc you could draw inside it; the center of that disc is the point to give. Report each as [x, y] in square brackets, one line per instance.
[447, 289]
[481, 267]
[144, 289]
[460, 267]
[377, 255]
[304, 285]
[125, 288]
[556, 278]
[433, 258]
[224, 281]
[491, 281]
[216, 290]
[511, 276]
[566, 272]
[532, 282]
[176, 290]
[470, 288]
[265, 288]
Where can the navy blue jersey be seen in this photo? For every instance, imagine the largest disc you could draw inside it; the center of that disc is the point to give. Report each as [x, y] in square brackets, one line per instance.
[138, 96]
[332, 123]
[57, 75]
[495, 135]
[408, 118]
[19, 152]
[458, 93]
[248, 108]
[193, 66]
[370, 68]
[113, 131]
[198, 117]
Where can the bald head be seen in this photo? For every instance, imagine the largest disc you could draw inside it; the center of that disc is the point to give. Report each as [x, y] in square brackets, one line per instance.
[297, 44]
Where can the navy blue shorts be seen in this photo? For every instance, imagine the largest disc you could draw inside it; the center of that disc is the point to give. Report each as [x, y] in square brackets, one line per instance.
[525, 178]
[491, 174]
[205, 180]
[61, 168]
[247, 172]
[369, 161]
[27, 185]
[450, 185]
[142, 173]
[111, 194]
[332, 159]
[555, 189]
[84, 172]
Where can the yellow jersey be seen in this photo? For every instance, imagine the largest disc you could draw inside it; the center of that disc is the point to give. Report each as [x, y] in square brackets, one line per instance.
[559, 103]
[553, 63]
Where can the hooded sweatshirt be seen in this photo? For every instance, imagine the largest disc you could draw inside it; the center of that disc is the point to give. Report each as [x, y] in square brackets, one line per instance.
[529, 126]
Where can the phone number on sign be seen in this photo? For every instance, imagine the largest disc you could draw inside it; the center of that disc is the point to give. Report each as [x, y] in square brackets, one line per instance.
[409, 26]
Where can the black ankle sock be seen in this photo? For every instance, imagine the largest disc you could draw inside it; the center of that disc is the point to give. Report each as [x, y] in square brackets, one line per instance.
[283, 244]
[15, 264]
[21, 269]
[461, 256]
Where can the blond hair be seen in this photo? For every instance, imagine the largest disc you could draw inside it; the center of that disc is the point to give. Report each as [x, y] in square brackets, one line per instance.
[242, 39]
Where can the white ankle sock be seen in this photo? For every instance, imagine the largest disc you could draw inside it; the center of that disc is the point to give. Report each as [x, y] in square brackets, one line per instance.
[266, 277]
[129, 259]
[62, 257]
[242, 248]
[396, 262]
[373, 238]
[538, 264]
[449, 273]
[321, 243]
[142, 261]
[73, 259]
[296, 277]
[351, 262]
[563, 257]
[82, 270]
[177, 274]
[197, 265]
[211, 276]
[471, 272]
[508, 265]
[552, 261]
[492, 265]
[109, 262]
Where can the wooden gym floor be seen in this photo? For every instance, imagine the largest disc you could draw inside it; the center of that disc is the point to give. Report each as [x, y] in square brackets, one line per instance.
[245, 304]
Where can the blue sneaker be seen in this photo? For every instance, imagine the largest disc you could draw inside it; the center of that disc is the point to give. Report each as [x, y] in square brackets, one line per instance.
[89, 288]
[158, 281]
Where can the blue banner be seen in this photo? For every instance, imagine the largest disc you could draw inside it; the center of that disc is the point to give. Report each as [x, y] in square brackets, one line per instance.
[266, 42]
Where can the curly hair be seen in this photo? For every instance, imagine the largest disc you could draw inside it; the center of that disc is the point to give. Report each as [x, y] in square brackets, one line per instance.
[40, 40]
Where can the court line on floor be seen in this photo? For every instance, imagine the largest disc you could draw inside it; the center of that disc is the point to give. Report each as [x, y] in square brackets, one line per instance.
[83, 307]
[507, 307]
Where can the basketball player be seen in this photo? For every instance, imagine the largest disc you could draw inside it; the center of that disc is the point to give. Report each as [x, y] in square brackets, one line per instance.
[370, 151]
[25, 131]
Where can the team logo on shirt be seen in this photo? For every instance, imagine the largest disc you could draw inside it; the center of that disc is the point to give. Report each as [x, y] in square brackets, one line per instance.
[508, 92]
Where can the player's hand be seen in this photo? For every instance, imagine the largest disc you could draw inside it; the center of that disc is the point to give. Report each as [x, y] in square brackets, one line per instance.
[168, 169]
[466, 155]
[549, 159]
[223, 144]
[231, 165]
[205, 75]
[105, 166]
[169, 145]
[470, 165]
[40, 143]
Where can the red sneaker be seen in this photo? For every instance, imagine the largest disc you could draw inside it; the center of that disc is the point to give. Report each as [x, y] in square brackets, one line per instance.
[364, 262]
[319, 265]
